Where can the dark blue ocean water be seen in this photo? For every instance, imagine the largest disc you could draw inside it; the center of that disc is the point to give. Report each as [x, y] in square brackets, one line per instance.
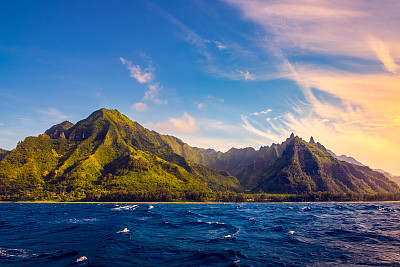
[282, 234]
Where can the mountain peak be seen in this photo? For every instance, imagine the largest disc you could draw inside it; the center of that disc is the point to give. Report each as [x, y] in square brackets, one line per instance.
[312, 140]
[103, 111]
[291, 136]
[57, 130]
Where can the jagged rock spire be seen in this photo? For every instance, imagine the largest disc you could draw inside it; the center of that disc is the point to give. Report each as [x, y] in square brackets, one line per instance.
[291, 136]
[312, 140]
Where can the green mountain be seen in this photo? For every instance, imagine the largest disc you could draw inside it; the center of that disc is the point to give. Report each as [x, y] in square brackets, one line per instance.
[108, 157]
[102, 154]
[298, 167]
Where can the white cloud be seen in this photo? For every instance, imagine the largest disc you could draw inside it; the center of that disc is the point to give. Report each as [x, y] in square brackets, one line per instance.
[246, 75]
[147, 77]
[220, 45]
[2, 124]
[266, 111]
[261, 112]
[152, 93]
[186, 124]
[142, 76]
[52, 115]
[139, 106]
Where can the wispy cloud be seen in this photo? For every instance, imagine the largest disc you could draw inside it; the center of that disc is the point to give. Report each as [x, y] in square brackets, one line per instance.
[186, 124]
[142, 76]
[215, 99]
[263, 112]
[211, 60]
[152, 94]
[188, 34]
[201, 106]
[2, 124]
[323, 26]
[147, 77]
[52, 115]
[220, 45]
[383, 53]
[139, 106]
[246, 75]
[347, 106]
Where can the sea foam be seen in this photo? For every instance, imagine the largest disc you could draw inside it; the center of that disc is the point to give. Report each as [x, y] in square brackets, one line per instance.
[83, 258]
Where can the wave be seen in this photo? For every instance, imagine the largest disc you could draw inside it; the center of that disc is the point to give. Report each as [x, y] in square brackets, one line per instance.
[74, 220]
[15, 253]
[58, 255]
[125, 230]
[83, 258]
[127, 207]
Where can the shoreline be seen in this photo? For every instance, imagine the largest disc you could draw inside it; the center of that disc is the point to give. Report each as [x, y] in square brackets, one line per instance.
[186, 202]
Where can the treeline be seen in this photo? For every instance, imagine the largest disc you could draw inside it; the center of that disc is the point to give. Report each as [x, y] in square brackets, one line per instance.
[324, 197]
[167, 195]
[157, 195]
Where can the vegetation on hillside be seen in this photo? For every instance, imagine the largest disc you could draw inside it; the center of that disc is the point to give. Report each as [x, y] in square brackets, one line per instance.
[108, 157]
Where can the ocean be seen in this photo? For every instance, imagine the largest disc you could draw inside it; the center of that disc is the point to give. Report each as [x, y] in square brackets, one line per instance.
[125, 234]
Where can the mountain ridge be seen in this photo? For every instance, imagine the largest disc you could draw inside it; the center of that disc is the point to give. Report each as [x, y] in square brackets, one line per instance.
[107, 153]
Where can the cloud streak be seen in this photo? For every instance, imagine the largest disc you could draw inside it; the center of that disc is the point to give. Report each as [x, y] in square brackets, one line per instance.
[383, 53]
[352, 105]
[52, 115]
[186, 124]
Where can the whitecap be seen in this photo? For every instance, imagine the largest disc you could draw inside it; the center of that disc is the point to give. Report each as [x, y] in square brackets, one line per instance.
[125, 230]
[83, 258]
[227, 236]
[74, 220]
[18, 253]
[127, 207]
[151, 207]
[290, 233]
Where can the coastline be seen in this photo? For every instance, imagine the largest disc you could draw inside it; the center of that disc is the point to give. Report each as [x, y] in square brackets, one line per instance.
[187, 202]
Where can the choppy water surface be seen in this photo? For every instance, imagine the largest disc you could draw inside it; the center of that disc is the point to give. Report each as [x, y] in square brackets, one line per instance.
[283, 234]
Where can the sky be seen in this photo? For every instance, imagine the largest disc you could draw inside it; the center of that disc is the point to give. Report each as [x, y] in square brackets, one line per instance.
[217, 74]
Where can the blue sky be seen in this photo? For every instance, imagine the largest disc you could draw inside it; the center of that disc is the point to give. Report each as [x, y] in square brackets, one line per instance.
[217, 74]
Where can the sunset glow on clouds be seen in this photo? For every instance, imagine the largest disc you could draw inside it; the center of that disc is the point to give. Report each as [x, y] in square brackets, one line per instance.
[214, 73]
[359, 113]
